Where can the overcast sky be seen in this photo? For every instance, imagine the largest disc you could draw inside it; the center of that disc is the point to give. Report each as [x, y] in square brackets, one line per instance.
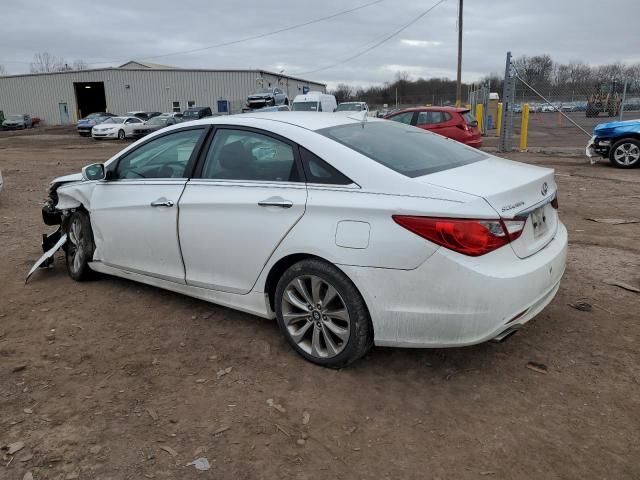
[116, 31]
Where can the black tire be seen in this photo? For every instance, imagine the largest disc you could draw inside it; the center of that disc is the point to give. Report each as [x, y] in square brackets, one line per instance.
[360, 329]
[121, 135]
[79, 247]
[632, 158]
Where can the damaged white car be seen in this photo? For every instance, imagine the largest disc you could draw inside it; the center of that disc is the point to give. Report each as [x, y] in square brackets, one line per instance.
[350, 232]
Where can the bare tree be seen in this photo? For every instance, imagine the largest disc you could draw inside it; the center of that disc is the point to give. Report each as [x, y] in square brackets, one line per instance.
[79, 65]
[44, 62]
[536, 70]
[343, 92]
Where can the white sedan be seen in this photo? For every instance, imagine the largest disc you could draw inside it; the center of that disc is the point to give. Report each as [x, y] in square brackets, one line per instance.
[351, 233]
[116, 127]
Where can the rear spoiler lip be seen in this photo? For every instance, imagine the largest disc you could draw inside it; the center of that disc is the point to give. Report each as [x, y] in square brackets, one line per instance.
[525, 213]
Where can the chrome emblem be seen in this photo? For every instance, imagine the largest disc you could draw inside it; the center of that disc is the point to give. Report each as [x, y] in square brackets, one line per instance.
[544, 189]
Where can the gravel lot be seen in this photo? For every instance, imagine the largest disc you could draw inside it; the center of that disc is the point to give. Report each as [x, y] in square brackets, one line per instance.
[114, 380]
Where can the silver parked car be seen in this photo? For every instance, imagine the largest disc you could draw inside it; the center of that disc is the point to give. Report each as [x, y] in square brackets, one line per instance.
[17, 122]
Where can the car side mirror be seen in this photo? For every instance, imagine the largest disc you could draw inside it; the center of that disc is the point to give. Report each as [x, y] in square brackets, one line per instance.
[95, 171]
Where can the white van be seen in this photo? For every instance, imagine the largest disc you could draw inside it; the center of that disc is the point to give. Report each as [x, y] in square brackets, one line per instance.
[314, 102]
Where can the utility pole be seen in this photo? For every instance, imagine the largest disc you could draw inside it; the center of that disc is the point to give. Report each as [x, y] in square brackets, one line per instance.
[459, 78]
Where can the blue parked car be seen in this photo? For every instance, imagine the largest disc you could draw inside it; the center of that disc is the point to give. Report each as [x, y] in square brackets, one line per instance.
[85, 125]
[617, 141]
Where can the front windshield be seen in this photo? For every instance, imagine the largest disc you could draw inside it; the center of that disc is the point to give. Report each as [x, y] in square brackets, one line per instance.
[114, 120]
[14, 117]
[158, 121]
[189, 114]
[349, 107]
[305, 106]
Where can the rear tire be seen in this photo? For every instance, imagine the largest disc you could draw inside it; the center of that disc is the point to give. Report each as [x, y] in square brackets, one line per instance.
[121, 135]
[322, 315]
[625, 153]
[79, 247]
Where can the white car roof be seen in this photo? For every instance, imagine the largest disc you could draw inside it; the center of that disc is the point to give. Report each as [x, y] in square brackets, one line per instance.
[308, 120]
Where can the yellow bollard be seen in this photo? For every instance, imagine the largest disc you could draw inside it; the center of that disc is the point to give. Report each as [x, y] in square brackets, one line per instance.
[479, 115]
[499, 119]
[524, 127]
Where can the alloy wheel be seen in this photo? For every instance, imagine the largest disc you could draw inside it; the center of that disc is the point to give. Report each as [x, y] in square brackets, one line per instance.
[315, 316]
[626, 154]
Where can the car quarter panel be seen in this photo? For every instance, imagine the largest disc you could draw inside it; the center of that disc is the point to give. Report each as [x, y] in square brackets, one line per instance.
[388, 246]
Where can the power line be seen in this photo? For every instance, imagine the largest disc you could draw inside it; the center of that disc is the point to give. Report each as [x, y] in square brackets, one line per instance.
[253, 37]
[375, 45]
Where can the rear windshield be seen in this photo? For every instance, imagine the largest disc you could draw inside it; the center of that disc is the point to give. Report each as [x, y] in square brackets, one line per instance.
[305, 106]
[469, 118]
[407, 150]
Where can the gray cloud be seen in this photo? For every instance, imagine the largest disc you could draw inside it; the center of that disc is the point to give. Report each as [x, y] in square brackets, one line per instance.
[118, 31]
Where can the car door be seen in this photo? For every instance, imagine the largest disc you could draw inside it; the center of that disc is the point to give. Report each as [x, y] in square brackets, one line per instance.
[247, 193]
[130, 124]
[134, 212]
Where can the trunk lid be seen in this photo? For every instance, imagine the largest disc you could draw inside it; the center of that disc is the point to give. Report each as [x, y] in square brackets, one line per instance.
[514, 190]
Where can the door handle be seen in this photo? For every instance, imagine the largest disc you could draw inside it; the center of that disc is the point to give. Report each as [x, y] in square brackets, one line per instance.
[276, 202]
[162, 202]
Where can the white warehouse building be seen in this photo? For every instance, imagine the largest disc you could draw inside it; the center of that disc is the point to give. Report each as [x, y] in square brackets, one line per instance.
[64, 97]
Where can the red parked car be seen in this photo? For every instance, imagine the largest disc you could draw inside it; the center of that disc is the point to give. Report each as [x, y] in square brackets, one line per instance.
[456, 123]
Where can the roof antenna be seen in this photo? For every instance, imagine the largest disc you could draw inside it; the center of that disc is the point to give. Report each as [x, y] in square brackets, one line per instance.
[362, 119]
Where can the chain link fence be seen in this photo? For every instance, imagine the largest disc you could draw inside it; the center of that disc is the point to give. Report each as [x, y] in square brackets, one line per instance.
[563, 111]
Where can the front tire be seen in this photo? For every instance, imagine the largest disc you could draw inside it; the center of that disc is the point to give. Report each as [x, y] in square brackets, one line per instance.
[322, 315]
[625, 153]
[80, 246]
[121, 135]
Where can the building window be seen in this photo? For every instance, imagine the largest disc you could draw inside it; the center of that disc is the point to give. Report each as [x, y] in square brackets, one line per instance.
[176, 107]
[191, 103]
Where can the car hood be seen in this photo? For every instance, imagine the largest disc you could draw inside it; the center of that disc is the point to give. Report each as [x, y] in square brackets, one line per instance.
[615, 128]
[74, 177]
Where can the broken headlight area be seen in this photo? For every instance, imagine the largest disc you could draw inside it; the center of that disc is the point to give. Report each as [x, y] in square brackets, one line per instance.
[51, 242]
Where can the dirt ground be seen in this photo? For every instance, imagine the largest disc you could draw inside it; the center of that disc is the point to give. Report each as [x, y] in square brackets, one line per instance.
[114, 380]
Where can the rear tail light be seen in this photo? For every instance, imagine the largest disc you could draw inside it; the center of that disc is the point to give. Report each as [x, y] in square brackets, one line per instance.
[467, 236]
[463, 126]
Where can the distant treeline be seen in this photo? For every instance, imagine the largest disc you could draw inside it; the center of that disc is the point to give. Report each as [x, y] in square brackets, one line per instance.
[539, 71]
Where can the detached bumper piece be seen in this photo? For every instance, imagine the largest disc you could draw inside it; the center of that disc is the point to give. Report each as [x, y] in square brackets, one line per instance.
[50, 245]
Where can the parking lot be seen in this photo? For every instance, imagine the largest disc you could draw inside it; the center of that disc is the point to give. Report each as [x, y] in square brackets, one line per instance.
[115, 380]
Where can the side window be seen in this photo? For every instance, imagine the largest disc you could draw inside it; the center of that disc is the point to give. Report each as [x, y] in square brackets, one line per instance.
[244, 155]
[163, 157]
[424, 118]
[403, 118]
[446, 116]
[317, 170]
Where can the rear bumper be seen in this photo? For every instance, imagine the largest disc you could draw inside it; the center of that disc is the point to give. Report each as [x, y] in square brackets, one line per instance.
[474, 142]
[452, 300]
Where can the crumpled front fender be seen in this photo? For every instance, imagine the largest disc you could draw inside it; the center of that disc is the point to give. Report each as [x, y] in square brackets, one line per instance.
[75, 195]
